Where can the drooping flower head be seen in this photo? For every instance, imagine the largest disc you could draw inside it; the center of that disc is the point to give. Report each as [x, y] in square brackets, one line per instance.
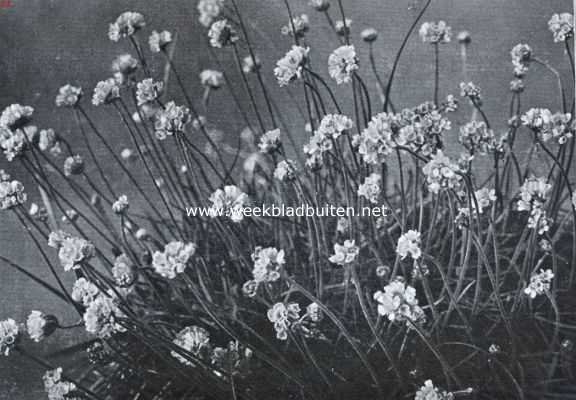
[173, 260]
[342, 63]
[533, 196]
[562, 26]
[126, 25]
[123, 271]
[289, 67]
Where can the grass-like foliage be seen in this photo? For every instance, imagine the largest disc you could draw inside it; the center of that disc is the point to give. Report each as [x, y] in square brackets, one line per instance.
[463, 289]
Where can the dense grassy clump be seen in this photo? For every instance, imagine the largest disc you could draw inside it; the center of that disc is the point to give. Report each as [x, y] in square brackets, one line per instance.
[462, 286]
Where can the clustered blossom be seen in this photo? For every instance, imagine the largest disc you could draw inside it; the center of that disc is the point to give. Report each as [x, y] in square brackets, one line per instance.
[73, 165]
[283, 316]
[68, 96]
[285, 170]
[173, 259]
[333, 125]
[267, 265]
[40, 325]
[409, 243]
[234, 358]
[370, 189]
[521, 55]
[56, 387]
[105, 92]
[435, 32]
[171, 120]
[123, 66]
[15, 116]
[297, 27]
[477, 138]
[222, 34]
[49, 141]
[270, 141]
[441, 173]
[344, 254]
[14, 142]
[342, 27]
[159, 40]
[101, 317]
[320, 5]
[289, 67]
[84, 291]
[229, 201]
[472, 92]
[209, 10]
[539, 283]
[250, 64]
[148, 91]
[430, 392]
[72, 251]
[398, 302]
[9, 334]
[533, 195]
[342, 63]
[121, 205]
[211, 78]
[562, 26]
[123, 271]
[193, 339]
[11, 194]
[547, 125]
[126, 25]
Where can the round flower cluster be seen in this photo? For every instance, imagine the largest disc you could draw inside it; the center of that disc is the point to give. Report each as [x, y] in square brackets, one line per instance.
[297, 27]
[267, 264]
[72, 251]
[40, 325]
[378, 140]
[561, 26]
[56, 387]
[484, 198]
[370, 189]
[123, 67]
[409, 243]
[435, 32]
[16, 116]
[342, 63]
[441, 173]
[333, 125]
[148, 91]
[250, 64]
[320, 5]
[547, 125]
[477, 138]
[126, 25]
[68, 96]
[211, 79]
[73, 165]
[521, 55]
[289, 67]
[159, 40]
[193, 339]
[285, 170]
[229, 201]
[11, 194]
[84, 291]
[121, 205]
[344, 254]
[472, 92]
[101, 317]
[209, 10]
[123, 271]
[533, 195]
[222, 34]
[106, 92]
[171, 120]
[14, 142]
[539, 283]
[283, 316]
[173, 259]
[235, 357]
[48, 141]
[270, 141]
[9, 334]
[430, 392]
[369, 35]
[398, 302]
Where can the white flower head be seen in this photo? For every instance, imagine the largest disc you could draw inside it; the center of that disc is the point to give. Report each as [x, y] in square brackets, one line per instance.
[539, 283]
[342, 27]
[72, 251]
[126, 25]
[193, 339]
[398, 302]
[16, 116]
[229, 201]
[68, 96]
[435, 32]
[159, 40]
[442, 173]
[289, 67]
[297, 27]
[106, 92]
[409, 244]
[369, 35]
[283, 316]
[171, 120]
[9, 335]
[345, 254]
[84, 291]
[12, 194]
[173, 260]
[121, 205]
[148, 91]
[211, 79]
[101, 317]
[285, 170]
[267, 264]
[431, 392]
[250, 64]
[342, 63]
[209, 10]
[270, 141]
[371, 189]
[40, 325]
[561, 26]
[222, 34]
[333, 125]
[56, 387]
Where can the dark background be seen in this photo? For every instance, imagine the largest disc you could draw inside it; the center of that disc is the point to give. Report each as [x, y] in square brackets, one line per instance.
[47, 43]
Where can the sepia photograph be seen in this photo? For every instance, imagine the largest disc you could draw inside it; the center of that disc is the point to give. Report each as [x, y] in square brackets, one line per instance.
[287, 199]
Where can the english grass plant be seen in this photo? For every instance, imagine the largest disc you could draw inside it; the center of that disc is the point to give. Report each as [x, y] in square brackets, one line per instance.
[464, 290]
